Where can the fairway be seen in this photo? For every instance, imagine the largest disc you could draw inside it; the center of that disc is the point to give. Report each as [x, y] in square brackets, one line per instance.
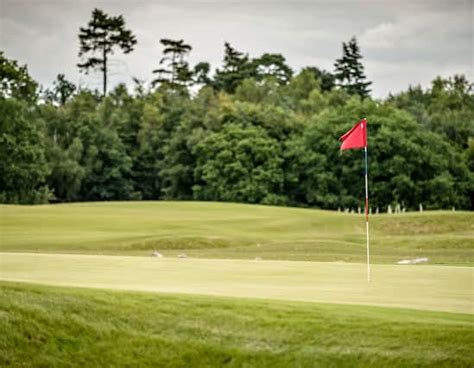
[440, 288]
[224, 230]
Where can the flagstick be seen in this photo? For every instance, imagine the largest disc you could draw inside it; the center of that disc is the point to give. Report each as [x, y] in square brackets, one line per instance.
[357, 138]
[367, 213]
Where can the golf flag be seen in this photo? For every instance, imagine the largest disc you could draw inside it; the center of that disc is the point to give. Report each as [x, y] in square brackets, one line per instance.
[356, 137]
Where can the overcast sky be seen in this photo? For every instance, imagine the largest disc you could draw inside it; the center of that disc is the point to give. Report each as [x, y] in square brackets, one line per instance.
[403, 42]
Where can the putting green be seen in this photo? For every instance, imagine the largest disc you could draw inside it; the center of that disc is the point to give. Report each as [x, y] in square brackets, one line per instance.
[443, 288]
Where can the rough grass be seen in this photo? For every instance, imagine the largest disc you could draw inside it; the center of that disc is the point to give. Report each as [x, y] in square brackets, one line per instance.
[220, 230]
[59, 327]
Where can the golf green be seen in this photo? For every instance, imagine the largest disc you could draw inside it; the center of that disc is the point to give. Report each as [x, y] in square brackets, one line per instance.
[441, 288]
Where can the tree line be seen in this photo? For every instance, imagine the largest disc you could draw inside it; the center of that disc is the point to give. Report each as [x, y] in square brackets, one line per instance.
[253, 131]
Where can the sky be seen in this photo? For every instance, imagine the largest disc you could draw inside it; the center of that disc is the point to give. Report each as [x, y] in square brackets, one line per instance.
[402, 42]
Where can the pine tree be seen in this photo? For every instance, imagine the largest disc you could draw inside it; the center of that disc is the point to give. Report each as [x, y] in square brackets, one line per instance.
[236, 68]
[99, 38]
[349, 70]
[175, 69]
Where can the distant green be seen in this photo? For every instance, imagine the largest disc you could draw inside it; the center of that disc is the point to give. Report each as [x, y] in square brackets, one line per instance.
[222, 230]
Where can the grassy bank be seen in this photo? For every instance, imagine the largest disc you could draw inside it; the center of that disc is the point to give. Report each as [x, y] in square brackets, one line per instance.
[220, 230]
[60, 327]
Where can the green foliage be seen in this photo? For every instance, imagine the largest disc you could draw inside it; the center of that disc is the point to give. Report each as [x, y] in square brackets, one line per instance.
[252, 132]
[239, 67]
[327, 79]
[274, 66]
[447, 109]
[15, 82]
[300, 88]
[265, 92]
[66, 172]
[411, 164]
[23, 165]
[239, 164]
[105, 160]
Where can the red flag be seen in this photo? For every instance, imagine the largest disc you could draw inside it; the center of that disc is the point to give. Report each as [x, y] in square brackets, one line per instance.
[356, 137]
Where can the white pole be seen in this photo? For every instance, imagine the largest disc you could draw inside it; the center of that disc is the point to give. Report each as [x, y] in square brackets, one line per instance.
[367, 213]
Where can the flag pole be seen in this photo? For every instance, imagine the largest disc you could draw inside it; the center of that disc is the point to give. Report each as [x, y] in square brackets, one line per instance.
[367, 211]
[357, 138]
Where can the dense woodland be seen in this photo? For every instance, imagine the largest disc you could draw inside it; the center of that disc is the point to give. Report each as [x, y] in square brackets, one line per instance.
[253, 130]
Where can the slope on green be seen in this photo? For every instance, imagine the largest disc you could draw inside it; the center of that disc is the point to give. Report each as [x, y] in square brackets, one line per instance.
[443, 288]
[60, 327]
[223, 230]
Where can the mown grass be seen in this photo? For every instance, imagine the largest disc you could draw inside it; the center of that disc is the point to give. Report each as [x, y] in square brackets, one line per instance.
[222, 230]
[440, 288]
[60, 327]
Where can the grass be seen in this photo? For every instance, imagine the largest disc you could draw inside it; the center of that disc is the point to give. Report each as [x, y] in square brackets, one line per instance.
[220, 230]
[233, 310]
[443, 288]
[62, 327]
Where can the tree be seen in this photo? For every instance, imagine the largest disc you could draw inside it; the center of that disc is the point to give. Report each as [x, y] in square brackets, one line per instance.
[201, 73]
[349, 70]
[263, 92]
[237, 67]
[66, 174]
[102, 34]
[63, 90]
[328, 80]
[300, 88]
[446, 108]
[239, 164]
[104, 158]
[15, 80]
[252, 133]
[174, 70]
[403, 167]
[160, 145]
[272, 65]
[451, 109]
[23, 165]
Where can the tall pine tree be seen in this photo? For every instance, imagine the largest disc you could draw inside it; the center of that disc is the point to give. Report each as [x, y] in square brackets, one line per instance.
[349, 70]
[174, 70]
[99, 38]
